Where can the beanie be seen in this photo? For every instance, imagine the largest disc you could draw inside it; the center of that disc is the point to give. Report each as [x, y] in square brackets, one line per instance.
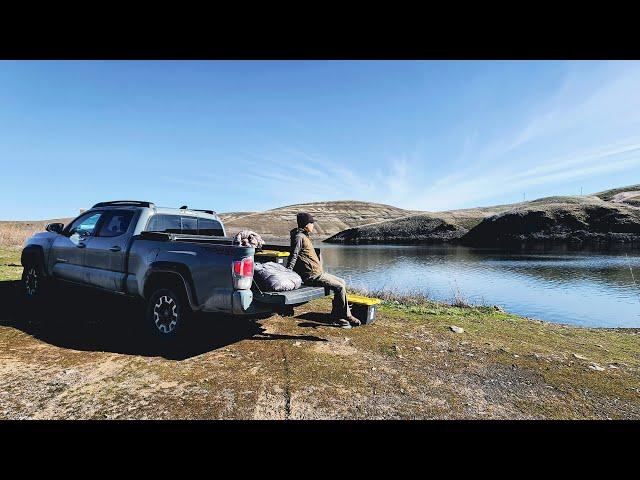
[303, 218]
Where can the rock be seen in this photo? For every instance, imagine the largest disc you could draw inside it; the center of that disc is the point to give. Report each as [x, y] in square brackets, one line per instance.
[579, 357]
[297, 344]
[596, 367]
[456, 329]
[614, 367]
[418, 348]
[498, 308]
[515, 355]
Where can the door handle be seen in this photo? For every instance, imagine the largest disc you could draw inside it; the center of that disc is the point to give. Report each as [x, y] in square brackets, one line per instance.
[81, 245]
[115, 248]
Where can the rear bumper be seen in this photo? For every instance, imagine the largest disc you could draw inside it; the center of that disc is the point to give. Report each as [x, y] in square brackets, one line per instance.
[247, 302]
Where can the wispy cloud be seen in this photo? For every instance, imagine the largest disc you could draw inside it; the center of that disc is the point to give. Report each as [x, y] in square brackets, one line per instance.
[582, 131]
[588, 127]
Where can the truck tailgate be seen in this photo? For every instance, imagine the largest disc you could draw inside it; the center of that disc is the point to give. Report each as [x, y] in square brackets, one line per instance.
[293, 297]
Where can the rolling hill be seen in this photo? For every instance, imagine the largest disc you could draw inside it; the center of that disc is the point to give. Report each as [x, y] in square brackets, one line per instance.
[608, 216]
[331, 217]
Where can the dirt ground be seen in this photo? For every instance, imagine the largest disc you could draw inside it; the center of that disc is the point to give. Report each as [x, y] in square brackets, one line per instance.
[84, 357]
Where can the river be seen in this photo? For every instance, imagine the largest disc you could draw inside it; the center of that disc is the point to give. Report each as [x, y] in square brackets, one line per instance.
[584, 288]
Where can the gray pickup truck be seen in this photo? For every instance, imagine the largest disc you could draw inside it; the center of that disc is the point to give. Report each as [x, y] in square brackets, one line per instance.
[178, 261]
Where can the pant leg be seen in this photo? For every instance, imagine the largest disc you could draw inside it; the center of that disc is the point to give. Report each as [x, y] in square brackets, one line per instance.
[339, 288]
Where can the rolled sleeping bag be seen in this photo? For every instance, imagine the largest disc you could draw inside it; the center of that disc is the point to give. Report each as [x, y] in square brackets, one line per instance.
[275, 277]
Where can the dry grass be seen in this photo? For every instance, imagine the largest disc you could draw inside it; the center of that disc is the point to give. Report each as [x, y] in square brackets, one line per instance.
[331, 217]
[412, 297]
[13, 234]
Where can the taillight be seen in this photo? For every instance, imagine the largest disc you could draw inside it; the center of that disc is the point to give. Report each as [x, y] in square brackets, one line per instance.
[243, 273]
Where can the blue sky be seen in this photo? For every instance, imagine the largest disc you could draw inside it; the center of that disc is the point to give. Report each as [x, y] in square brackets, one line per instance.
[245, 136]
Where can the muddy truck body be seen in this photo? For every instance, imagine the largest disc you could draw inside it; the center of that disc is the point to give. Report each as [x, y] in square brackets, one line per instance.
[178, 261]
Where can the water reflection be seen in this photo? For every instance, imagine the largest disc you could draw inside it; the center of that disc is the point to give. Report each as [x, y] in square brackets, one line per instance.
[588, 288]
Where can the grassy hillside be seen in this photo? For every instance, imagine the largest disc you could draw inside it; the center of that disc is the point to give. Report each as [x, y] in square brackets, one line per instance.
[331, 217]
[618, 194]
[609, 216]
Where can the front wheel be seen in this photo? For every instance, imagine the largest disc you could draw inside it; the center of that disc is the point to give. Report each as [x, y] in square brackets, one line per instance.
[166, 314]
[33, 282]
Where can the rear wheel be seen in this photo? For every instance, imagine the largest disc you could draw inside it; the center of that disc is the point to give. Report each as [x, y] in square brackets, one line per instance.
[167, 313]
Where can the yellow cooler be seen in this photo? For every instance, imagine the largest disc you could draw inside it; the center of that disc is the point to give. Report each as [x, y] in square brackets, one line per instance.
[363, 308]
[276, 256]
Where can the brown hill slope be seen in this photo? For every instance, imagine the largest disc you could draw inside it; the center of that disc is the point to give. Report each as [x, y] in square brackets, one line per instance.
[331, 217]
[609, 216]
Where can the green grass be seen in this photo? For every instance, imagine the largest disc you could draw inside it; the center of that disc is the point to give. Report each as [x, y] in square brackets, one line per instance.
[10, 268]
[542, 348]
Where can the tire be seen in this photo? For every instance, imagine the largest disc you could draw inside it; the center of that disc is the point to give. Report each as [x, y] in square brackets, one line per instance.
[34, 283]
[167, 314]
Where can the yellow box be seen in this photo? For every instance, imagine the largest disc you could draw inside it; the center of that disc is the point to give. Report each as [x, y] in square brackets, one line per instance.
[272, 256]
[273, 253]
[362, 300]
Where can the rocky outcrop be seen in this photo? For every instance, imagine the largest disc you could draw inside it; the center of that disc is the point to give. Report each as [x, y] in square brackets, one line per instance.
[423, 228]
[582, 220]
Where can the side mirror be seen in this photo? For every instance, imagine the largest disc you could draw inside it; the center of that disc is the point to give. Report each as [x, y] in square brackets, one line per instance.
[55, 227]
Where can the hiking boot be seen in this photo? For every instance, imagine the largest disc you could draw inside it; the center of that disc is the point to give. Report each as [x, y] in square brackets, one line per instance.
[354, 321]
[342, 323]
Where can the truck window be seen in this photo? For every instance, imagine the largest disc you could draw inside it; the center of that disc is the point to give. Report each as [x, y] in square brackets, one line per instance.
[115, 223]
[85, 225]
[189, 225]
[208, 226]
[165, 223]
[180, 224]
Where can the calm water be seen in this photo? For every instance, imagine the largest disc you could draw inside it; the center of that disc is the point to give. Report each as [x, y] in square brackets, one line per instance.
[580, 288]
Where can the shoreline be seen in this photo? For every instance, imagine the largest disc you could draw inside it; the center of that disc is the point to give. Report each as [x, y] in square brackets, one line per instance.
[11, 270]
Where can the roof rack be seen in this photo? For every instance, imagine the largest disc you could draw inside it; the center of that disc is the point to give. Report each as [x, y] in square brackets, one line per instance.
[210, 212]
[123, 203]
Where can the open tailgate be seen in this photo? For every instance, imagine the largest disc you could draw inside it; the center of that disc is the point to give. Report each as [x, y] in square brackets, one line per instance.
[292, 297]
